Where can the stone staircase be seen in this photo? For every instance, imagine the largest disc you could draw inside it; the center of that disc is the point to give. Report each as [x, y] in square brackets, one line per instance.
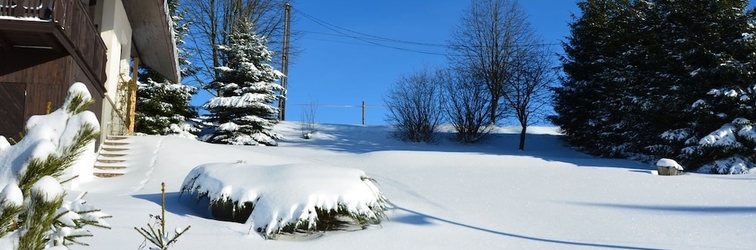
[111, 159]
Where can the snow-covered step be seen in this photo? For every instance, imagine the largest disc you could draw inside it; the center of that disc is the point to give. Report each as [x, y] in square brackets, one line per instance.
[108, 174]
[115, 143]
[109, 165]
[111, 160]
[111, 154]
[114, 148]
[117, 137]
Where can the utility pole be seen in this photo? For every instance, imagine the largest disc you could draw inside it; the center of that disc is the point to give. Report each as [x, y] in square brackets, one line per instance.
[285, 62]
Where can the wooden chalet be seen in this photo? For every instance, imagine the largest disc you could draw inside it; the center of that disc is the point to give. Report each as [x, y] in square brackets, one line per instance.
[47, 45]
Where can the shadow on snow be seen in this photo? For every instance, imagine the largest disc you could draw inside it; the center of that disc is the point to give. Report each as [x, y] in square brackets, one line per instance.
[712, 210]
[418, 218]
[359, 139]
[180, 204]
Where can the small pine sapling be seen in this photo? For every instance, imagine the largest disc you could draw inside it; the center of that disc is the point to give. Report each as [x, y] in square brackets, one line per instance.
[33, 212]
[160, 238]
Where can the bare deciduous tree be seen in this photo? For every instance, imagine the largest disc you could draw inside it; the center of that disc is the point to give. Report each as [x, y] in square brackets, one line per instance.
[466, 105]
[415, 109]
[214, 19]
[486, 42]
[528, 92]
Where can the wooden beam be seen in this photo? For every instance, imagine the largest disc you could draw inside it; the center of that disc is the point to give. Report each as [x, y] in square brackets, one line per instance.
[50, 39]
[132, 96]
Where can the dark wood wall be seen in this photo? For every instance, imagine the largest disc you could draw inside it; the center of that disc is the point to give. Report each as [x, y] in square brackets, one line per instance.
[11, 109]
[30, 78]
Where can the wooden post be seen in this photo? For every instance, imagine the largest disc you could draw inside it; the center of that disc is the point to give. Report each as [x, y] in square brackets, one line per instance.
[285, 62]
[363, 112]
[131, 116]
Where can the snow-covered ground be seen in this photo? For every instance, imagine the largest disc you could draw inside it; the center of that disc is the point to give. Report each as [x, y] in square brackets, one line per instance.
[447, 195]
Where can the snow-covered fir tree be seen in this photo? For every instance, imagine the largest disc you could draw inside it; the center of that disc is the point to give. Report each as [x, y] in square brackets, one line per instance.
[163, 107]
[634, 68]
[242, 113]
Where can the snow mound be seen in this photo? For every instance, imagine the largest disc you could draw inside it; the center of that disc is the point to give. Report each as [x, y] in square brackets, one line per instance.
[284, 198]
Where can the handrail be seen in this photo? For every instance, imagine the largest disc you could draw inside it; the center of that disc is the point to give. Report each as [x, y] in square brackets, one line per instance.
[26, 8]
[117, 117]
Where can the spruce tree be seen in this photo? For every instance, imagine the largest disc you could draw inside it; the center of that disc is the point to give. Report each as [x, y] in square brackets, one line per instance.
[243, 113]
[163, 107]
[717, 86]
[592, 87]
[631, 78]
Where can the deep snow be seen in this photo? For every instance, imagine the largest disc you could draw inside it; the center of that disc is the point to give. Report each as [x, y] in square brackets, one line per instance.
[447, 195]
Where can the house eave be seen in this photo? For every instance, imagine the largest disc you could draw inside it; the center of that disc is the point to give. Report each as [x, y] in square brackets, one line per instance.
[153, 37]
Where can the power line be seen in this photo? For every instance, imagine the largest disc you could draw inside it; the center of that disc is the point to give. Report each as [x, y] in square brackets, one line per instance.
[374, 40]
[338, 29]
[374, 37]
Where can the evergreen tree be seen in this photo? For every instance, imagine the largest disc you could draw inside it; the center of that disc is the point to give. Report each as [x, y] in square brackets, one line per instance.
[589, 101]
[242, 113]
[33, 212]
[163, 107]
[633, 69]
[714, 50]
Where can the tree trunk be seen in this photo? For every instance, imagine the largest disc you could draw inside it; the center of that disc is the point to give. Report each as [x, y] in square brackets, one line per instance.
[494, 107]
[522, 137]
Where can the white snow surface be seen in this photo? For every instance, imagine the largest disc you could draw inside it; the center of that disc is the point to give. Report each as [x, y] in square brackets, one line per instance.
[286, 194]
[447, 195]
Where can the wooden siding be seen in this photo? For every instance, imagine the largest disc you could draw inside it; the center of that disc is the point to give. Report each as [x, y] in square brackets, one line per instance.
[45, 76]
[12, 103]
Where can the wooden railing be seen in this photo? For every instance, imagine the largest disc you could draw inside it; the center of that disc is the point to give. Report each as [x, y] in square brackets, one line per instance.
[73, 18]
[26, 8]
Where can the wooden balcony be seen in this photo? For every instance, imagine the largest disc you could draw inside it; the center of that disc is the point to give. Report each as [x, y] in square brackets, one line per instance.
[62, 26]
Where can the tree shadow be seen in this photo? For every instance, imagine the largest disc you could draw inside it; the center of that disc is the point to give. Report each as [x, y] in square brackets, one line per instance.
[713, 210]
[179, 204]
[418, 218]
[360, 139]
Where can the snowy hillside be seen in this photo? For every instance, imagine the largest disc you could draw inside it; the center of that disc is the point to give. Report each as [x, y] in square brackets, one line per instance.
[447, 196]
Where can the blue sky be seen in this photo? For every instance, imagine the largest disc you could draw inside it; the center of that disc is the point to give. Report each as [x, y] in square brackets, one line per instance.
[339, 72]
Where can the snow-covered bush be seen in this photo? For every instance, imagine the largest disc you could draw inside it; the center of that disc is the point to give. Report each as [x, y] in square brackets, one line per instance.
[288, 198]
[33, 213]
